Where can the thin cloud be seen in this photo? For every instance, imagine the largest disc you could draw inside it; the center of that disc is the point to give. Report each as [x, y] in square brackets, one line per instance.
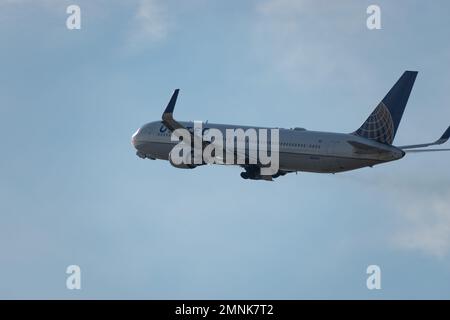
[47, 3]
[149, 25]
[299, 38]
[420, 218]
[426, 224]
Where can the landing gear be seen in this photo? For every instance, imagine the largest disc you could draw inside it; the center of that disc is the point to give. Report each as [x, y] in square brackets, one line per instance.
[141, 155]
[253, 172]
[144, 156]
[279, 174]
[244, 175]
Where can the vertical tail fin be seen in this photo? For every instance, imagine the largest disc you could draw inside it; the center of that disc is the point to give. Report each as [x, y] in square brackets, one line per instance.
[382, 124]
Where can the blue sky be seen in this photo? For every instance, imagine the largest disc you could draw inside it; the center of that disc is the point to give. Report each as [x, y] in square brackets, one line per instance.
[72, 190]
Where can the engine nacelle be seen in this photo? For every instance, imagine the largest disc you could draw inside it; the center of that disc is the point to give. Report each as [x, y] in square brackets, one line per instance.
[185, 164]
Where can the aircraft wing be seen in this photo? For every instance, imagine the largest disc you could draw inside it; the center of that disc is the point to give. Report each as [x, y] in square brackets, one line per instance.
[172, 125]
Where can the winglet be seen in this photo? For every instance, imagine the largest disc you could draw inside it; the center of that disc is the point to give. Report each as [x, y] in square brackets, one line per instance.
[167, 116]
[171, 104]
[445, 136]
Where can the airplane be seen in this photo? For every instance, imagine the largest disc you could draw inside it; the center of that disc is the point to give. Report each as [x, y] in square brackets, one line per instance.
[301, 150]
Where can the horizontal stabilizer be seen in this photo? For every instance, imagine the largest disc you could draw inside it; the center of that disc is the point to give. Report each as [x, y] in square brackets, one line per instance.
[441, 140]
[425, 150]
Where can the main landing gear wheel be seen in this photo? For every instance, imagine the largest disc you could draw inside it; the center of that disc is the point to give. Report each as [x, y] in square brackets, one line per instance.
[244, 175]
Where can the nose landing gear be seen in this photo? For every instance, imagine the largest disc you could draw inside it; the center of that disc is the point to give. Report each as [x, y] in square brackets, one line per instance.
[144, 156]
[141, 155]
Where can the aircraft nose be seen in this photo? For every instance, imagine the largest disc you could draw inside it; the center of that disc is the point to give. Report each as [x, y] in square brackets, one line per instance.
[134, 138]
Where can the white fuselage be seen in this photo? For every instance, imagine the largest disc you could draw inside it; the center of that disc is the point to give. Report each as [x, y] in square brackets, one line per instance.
[299, 149]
